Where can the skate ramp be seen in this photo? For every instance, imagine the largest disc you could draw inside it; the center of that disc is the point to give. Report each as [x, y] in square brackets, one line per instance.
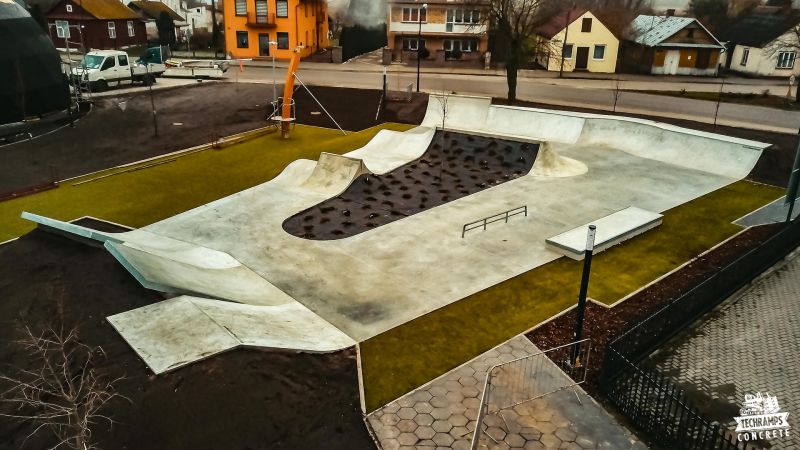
[549, 164]
[698, 150]
[389, 150]
[179, 331]
[333, 171]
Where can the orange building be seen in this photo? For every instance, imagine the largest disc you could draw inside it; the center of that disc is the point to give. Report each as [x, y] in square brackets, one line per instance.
[266, 28]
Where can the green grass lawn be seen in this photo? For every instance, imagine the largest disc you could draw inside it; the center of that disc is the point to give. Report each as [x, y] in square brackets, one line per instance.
[141, 197]
[416, 352]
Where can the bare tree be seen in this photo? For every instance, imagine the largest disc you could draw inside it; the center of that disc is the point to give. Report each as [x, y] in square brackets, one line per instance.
[515, 23]
[443, 103]
[61, 390]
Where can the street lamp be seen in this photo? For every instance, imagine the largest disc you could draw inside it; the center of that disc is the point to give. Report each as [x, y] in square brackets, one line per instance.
[274, 86]
[419, 36]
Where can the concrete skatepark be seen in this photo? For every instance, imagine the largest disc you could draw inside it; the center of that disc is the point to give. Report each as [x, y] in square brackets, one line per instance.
[244, 281]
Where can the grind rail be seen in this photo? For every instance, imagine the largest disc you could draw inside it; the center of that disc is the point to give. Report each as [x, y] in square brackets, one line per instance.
[503, 216]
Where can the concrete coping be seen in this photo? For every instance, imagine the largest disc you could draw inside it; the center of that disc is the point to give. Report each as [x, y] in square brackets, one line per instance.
[611, 230]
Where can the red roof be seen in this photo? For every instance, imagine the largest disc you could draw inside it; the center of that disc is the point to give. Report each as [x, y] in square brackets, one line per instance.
[560, 21]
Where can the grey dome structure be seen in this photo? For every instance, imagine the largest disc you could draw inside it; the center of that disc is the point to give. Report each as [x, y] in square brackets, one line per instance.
[31, 81]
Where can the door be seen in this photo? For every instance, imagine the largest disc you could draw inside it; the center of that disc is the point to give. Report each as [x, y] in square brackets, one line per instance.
[671, 62]
[582, 58]
[263, 44]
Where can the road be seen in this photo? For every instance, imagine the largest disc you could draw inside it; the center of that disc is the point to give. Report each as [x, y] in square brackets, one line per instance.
[586, 93]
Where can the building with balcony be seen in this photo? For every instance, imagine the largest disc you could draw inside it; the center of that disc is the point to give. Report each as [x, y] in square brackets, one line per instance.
[250, 26]
[449, 29]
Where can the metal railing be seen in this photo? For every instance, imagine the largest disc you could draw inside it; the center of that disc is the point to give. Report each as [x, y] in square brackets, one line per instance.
[534, 376]
[649, 399]
[503, 216]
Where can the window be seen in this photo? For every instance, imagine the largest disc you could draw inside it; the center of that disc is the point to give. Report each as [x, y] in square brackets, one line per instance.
[242, 39]
[69, 8]
[240, 7]
[123, 60]
[112, 30]
[262, 11]
[412, 44]
[599, 52]
[415, 15]
[108, 63]
[130, 28]
[567, 53]
[586, 25]
[283, 41]
[463, 45]
[786, 60]
[745, 57]
[62, 29]
[463, 16]
[197, 10]
[282, 10]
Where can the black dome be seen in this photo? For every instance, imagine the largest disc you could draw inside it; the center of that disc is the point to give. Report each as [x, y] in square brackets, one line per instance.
[31, 81]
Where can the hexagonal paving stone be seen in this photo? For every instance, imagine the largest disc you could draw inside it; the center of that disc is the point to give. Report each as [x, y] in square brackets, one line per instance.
[443, 439]
[422, 396]
[406, 402]
[515, 441]
[471, 402]
[559, 421]
[407, 439]
[390, 444]
[468, 381]
[439, 402]
[438, 391]
[440, 413]
[534, 445]
[458, 420]
[459, 432]
[497, 433]
[542, 415]
[425, 432]
[452, 385]
[456, 408]
[424, 419]
[530, 434]
[565, 434]
[391, 408]
[550, 441]
[426, 444]
[407, 426]
[471, 414]
[546, 427]
[455, 396]
[458, 445]
[390, 419]
[406, 413]
[423, 407]
[442, 426]
[469, 391]
[387, 433]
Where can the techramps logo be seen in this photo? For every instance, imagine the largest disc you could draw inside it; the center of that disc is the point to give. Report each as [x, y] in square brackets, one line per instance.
[761, 418]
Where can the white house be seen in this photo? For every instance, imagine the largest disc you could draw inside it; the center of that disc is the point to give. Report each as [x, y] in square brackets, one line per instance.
[590, 45]
[765, 43]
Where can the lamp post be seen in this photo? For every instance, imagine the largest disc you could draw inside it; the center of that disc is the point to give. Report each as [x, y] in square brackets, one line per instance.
[274, 86]
[419, 37]
[587, 267]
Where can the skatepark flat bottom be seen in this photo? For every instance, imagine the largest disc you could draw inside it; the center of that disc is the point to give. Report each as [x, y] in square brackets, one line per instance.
[454, 165]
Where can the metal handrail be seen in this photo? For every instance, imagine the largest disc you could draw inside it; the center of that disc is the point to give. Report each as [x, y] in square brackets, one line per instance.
[495, 218]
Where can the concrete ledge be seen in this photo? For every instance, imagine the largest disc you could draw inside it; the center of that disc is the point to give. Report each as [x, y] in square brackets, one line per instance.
[611, 230]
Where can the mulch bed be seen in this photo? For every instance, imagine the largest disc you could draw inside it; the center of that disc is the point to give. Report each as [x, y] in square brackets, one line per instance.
[603, 325]
[774, 166]
[454, 165]
[108, 136]
[243, 399]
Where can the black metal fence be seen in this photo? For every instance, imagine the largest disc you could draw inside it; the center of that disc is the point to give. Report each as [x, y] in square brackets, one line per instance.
[650, 400]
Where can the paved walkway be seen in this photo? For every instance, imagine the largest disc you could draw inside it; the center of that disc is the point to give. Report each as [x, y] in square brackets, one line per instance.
[748, 345]
[443, 413]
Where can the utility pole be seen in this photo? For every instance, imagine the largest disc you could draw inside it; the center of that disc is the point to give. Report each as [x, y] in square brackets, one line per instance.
[564, 44]
[419, 36]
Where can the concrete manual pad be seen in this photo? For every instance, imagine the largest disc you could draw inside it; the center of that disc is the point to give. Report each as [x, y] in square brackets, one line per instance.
[176, 332]
[611, 230]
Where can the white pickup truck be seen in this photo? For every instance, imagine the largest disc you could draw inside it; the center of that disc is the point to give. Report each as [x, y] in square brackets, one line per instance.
[103, 68]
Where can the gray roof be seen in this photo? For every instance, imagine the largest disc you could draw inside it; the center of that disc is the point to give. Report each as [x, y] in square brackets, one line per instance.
[651, 31]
